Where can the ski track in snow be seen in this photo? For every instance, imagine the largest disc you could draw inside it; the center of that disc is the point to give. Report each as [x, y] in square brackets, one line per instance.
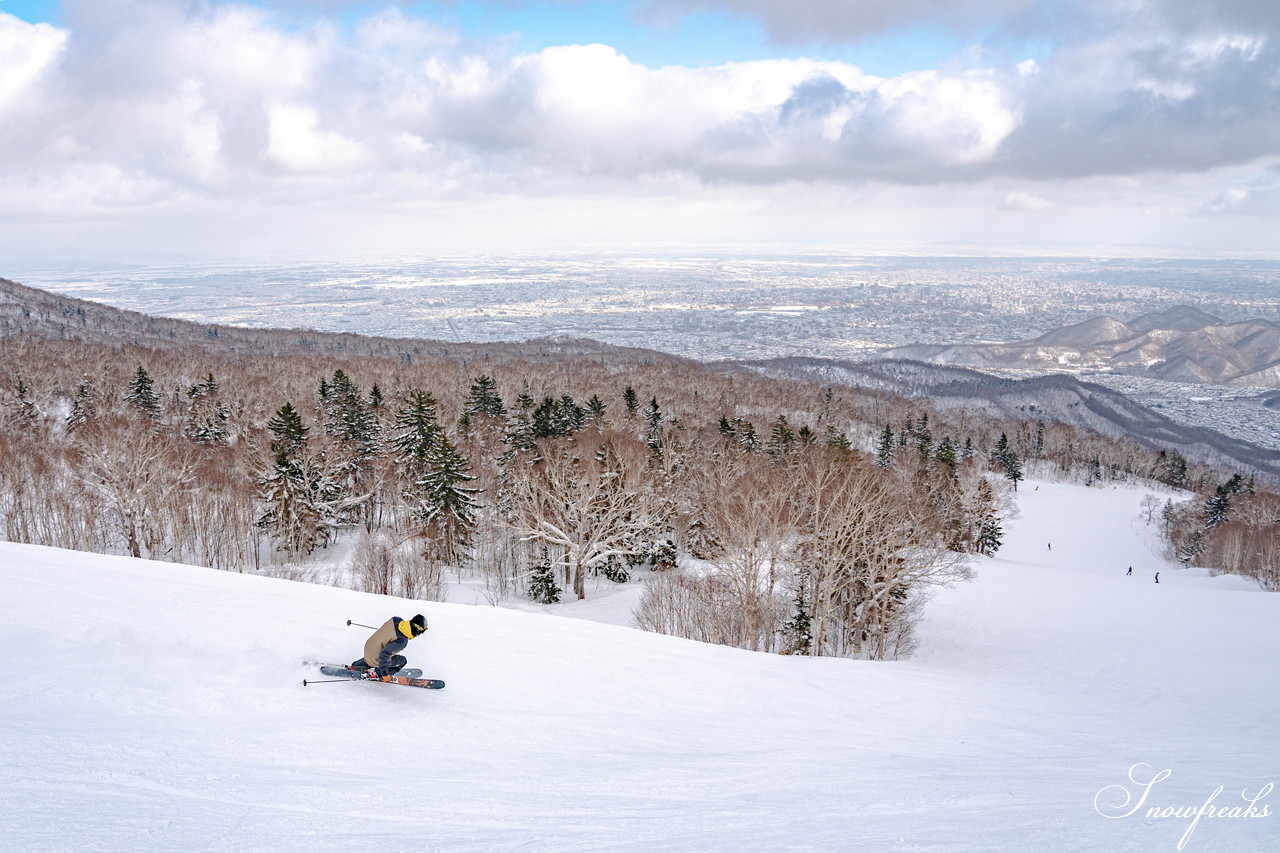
[159, 707]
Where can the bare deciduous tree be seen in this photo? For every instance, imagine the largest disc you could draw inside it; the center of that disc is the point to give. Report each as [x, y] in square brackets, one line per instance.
[586, 500]
[133, 467]
[865, 550]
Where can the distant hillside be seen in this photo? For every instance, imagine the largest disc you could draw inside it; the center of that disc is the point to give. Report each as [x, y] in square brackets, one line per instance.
[1059, 398]
[1184, 317]
[1099, 330]
[38, 314]
[1181, 344]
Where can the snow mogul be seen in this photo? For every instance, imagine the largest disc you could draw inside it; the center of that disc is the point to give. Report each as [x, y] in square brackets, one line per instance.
[382, 650]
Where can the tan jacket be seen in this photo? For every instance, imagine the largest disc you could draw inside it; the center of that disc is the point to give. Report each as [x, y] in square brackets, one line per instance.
[385, 642]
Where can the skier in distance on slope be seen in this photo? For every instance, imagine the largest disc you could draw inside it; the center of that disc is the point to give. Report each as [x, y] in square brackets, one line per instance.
[382, 650]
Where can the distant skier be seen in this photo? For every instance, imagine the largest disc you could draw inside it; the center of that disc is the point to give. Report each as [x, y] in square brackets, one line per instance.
[382, 650]
[1157, 577]
[1050, 546]
[1126, 574]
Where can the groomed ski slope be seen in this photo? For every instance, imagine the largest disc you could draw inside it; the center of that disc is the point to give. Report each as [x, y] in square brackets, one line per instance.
[155, 707]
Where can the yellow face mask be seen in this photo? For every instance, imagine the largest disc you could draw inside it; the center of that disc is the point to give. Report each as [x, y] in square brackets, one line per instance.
[405, 628]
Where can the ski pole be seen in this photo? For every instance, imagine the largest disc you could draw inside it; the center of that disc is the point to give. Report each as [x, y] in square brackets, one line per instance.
[331, 681]
[358, 625]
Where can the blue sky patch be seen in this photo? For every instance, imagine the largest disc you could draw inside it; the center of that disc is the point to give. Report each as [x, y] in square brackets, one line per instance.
[695, 40]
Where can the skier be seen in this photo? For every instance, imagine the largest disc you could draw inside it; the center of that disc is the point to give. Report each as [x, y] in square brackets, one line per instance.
[1126, 574]
[382, 650]
[1157, 577]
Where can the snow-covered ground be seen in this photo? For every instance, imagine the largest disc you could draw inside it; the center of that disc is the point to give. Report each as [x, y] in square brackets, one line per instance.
[155, 707]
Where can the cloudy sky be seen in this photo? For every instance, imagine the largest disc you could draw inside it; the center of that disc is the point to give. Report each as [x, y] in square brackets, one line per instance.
[1079, 126]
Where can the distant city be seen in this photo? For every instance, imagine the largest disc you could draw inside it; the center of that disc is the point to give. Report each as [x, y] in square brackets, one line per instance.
[718, 307]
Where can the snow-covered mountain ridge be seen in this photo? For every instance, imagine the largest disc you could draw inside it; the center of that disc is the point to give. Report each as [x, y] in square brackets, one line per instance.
[1061, 398]
[1181, 344]
[154, 706]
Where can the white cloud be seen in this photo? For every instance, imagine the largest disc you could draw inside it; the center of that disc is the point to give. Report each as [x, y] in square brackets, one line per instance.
[217, 107]
[294, 142]
[1026, 202]
[26, 51]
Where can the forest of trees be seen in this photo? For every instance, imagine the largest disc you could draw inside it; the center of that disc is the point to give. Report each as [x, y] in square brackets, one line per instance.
[773, 515]
[1234, 528]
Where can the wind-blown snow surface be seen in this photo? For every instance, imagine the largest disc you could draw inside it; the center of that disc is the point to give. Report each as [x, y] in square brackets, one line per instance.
[158, 707]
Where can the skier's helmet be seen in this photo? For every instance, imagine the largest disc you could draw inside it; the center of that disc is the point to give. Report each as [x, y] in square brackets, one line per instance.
[417, 625]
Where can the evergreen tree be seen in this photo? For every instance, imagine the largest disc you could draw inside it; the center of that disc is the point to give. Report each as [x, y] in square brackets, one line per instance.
[631, 401]
[805, 436]
[446, 500]
[435, 474]
[1005, 459]
[1217, 510]
[653, 416]
[924, 438]
[572, 414]
[355, 426]
[415, 432]
[207, 415]
[1013, 468]
[542, 582]
[1191, 548]
[885, 449]
[558, 417]
[989, 533]
[1001, 451]
[782, 440]
[27, 410]
[837, 439]
[595, 409]
[665, 556]
[1235, 486]
[798, 631]
[701, 542]
[483, 399]
[990, 537]
[546, 419]
[653, 419]
[618, 571]
[83, 406]
[142, 394]
[520, 436]
[288, 433]
[444, 503]
[1172, 468]
[741, 432]
[349, 418]
[292, 493]
[946, 455]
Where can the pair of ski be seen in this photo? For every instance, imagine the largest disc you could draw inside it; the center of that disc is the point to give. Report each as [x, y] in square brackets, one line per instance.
[405, 677]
